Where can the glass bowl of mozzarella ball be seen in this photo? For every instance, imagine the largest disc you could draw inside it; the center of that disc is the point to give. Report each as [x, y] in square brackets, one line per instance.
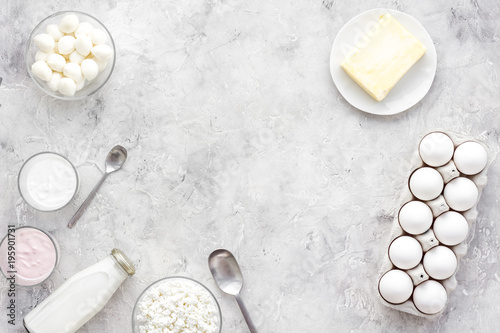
[70, 55]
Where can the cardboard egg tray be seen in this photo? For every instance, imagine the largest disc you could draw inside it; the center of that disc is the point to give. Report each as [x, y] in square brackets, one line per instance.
[438, 206]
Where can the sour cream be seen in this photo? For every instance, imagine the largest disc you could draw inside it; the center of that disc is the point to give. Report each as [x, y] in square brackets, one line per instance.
[48, 181]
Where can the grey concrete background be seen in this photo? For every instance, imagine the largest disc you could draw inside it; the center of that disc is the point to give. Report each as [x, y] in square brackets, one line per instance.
[237, 138]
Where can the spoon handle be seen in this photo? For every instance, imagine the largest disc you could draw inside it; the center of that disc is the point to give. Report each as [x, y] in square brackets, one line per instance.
[87, 201]
[246, 315]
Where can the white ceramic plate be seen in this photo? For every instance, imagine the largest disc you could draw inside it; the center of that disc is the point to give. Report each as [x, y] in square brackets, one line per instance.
[408, 91]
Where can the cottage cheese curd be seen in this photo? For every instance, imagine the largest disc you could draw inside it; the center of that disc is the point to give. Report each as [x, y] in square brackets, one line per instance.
[177, 305]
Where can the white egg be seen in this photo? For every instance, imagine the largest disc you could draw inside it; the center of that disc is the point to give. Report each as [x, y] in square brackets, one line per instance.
[395, 286]
[440, 262]
[426, 183]
[405, 252]
[436, 149]
[415, 217]
[430, 297]
[470, 158]
[461, 194]
[451, 228]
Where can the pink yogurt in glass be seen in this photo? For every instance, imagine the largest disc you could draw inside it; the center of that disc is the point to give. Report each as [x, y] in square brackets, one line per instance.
[35, 258]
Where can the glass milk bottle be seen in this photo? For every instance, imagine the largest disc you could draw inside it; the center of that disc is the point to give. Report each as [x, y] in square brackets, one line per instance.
[81, 297]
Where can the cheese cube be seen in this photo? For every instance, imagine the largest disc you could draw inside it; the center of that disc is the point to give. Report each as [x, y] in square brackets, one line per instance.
[386, 54]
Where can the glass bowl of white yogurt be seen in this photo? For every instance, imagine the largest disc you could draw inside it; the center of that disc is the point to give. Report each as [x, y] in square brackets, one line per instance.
[48, 181]
[176, 304]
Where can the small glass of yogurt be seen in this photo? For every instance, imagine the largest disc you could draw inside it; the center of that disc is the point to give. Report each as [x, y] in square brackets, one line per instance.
[48, 181]
[28, 256]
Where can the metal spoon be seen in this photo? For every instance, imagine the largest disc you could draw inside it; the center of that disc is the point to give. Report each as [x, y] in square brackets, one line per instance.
[227, 275]
[114, 161]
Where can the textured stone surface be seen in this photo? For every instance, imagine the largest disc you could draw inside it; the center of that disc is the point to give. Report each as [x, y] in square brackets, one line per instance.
[238, 139]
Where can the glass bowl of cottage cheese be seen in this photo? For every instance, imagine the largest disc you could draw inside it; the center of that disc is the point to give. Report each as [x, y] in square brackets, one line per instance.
[177, 304]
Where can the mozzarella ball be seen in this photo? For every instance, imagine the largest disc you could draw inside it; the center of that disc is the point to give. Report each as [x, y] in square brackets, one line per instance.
[101, 64]
[470, 158]
[44, 42]
[102, 52]
[76, 57]
[66, 86]
[461, 194]
[41, 70]
[440, 262]
[405, 252]
[90, 69]
[73, 71]
[79, 85]
[430, 297]
[97, 36]
[42, 56]
[54, 80]
[69, 23]
[85, 28]
[83, 44]
[54, 32]
[436, 149]
[415, 217]
[66, 45]
[451, 228]
[426, 183]
[56, 62]
[395, 286]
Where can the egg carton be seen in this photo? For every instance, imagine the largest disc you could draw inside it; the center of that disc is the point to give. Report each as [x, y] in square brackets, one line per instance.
[438, 206]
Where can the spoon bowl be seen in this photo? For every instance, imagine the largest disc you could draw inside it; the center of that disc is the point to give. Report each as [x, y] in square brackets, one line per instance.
[115, 159]
[226, 271]
[227, 275]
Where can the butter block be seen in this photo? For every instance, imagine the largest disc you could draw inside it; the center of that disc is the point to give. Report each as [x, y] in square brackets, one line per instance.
[386, 54]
